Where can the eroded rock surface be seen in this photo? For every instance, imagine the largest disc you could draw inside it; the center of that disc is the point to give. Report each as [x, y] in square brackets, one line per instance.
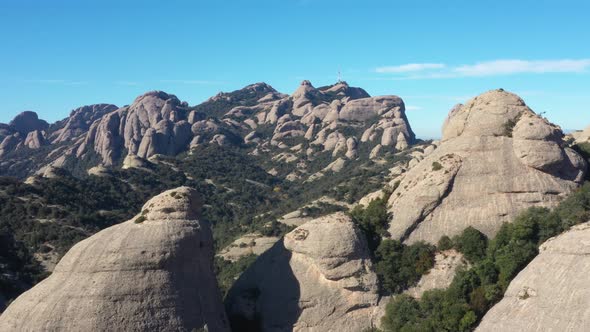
[497, 157]
[551, 293]
[319, 278]
[153, 272]
[442, 273]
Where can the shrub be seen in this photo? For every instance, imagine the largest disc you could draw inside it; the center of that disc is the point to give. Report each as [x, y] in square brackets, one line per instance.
[445, 243]
[372, 220]
[473, 291]
[436, 166]
[399, 266]
[472, 243]
[227, 272]
[509, 126]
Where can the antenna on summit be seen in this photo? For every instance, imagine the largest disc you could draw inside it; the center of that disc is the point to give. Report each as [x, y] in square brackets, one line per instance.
[339, 76]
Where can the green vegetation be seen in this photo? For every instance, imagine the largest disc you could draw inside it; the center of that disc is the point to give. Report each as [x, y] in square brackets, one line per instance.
[372, 220]
[19, 269]
[400, 266]
[320, 209]
[475, 290]
[583, 149]
[397, 265]
[445, 243]
[436, 166]
[509, 126]
[472, 243]
[228, 272]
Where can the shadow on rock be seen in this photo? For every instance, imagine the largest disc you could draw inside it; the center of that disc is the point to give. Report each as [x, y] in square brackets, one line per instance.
[266, 296]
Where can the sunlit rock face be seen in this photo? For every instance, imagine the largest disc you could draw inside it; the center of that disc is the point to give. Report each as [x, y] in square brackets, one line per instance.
[497, 157]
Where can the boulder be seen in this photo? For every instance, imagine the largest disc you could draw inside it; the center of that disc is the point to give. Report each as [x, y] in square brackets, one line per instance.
[100, 171]
[35, 139]
[351, 148]
[375, 151]
[153, 272]
[318, 278]
[133, 161]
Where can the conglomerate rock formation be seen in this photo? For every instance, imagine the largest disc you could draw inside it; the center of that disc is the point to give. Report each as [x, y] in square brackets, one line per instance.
[336, 119]
[551, 293]
[151, 273]
[319, 278]
[497, 157]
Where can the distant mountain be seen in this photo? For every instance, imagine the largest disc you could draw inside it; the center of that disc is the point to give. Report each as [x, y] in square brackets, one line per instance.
[339, 120]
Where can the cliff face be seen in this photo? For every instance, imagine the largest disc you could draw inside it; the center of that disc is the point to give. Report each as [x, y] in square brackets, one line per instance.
[551, 293]
[153, 272]
[497, 157]
[319, 278]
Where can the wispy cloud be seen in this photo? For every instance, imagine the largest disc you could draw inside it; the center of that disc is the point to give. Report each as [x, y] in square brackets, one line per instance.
[195, 82]
[507, 67]
[127, 83]
[45, 81]
[76, 83]
[415, 71]
[413, 108]
[56, 81]
[410, 67]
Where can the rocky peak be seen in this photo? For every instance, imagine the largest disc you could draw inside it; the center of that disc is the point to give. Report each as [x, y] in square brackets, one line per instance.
[155, 94]
[183, 203]
[153, 272]
[342, 89]
[305, 90]
[492, 113]
[260, 87]
[306, 83]
[154, 124]
[80, 121]
[497, 158]
[336, 118]
[26, 122]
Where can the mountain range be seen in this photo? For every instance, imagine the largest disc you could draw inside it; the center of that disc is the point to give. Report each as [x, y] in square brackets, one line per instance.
[316, 211]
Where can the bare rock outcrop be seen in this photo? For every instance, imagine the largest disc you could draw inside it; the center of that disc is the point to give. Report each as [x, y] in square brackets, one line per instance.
[497, 157]
[337, 118]
[80, 120]
[319, 278]
[35, 139]
[551, 293]
[442, 273]
[581, 136]
[25, 130]
[154, 124]
[153, 272]
[26, 122]
[371, 107]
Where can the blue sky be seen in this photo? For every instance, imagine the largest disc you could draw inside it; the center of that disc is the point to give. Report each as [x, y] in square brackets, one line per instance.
[58, 55]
